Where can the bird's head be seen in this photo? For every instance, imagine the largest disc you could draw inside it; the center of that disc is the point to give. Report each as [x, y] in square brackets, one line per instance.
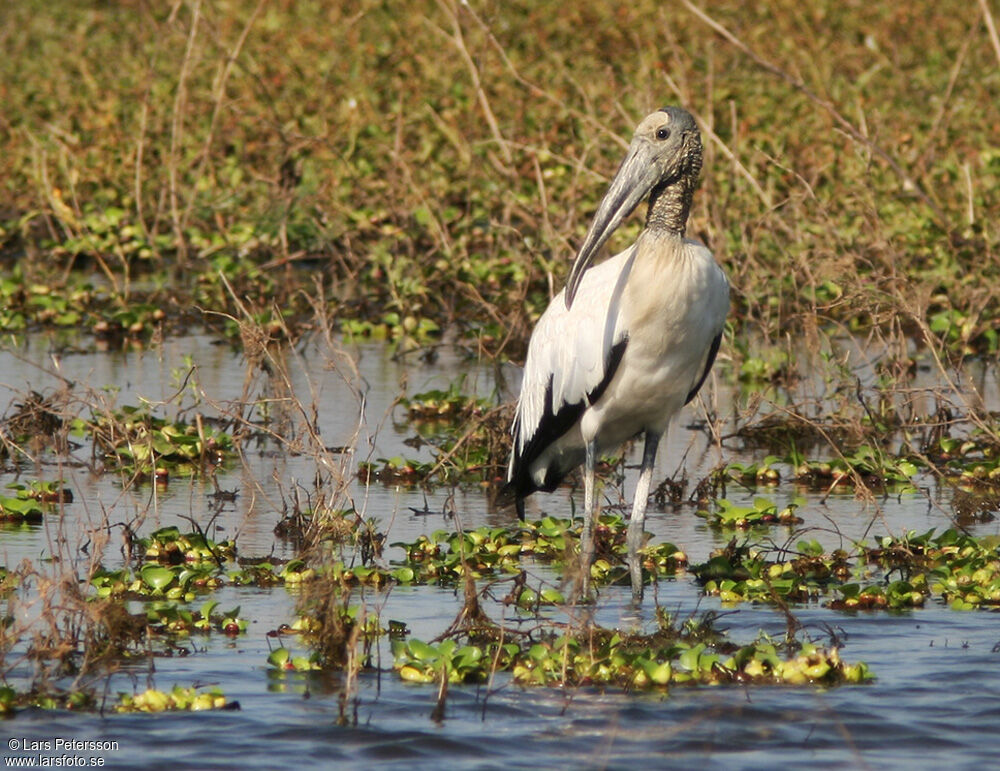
[665, 151]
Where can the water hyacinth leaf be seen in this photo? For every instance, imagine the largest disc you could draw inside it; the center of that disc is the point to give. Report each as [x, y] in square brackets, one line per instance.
[398, 646]
[538, 652]
[421, 651]
[157, 577]
[404, 575]
[689, 658]
[552, 596]
[208, 607]
[197, 541]
[162, 446]
[165, 534]
[657, 672]
[811, 547]
[185, 576]
[413, 675]
[23, 506]
[550, 527]
[467, 656]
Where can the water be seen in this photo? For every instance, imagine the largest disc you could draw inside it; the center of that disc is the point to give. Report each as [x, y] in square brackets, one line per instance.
[934, 704]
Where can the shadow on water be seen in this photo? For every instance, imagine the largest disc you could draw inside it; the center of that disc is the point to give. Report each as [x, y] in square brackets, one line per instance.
[933, 703]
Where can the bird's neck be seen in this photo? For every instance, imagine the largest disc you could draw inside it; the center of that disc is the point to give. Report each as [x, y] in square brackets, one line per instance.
[669, 205]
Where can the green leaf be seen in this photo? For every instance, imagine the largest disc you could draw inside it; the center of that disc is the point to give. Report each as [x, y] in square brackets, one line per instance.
[208, 607]
[278, 657]
[157, 577]
[553, 596]
[404, 575]
[421, 651]
[689, 658]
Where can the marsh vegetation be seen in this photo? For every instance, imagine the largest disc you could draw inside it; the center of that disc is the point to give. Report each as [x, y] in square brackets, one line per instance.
[323, 232]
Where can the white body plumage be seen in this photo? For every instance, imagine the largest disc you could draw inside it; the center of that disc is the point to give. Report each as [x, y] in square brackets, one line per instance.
[665, 299]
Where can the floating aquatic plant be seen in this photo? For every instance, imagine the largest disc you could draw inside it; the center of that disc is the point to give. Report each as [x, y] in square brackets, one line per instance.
[32, 501]
[761, 472]
[763, 512]
[179, 699]
[11, 700]
[395, 470]
[438, 409]
[446, 557]
[868, 463]
[743, 573]
[169, 546]
[283, 659]
[170, 618]
[601, 657]
[133, 439]
[962, 570]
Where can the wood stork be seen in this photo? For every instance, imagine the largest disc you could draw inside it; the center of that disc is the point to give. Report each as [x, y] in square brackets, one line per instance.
[628, 342]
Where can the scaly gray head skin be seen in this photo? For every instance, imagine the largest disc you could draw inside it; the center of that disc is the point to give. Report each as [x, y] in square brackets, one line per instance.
[663, 163]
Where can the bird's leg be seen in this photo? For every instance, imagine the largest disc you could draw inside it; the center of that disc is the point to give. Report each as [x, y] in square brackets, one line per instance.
[589, 515]
[634, 538]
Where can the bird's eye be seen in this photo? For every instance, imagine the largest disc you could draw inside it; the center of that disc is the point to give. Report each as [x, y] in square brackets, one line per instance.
[662, 133]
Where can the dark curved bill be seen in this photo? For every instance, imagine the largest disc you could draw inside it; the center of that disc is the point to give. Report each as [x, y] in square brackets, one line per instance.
[635, 179]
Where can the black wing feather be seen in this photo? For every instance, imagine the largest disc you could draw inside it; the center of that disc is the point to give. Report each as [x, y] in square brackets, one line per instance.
[553, 425]
[712, 352]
